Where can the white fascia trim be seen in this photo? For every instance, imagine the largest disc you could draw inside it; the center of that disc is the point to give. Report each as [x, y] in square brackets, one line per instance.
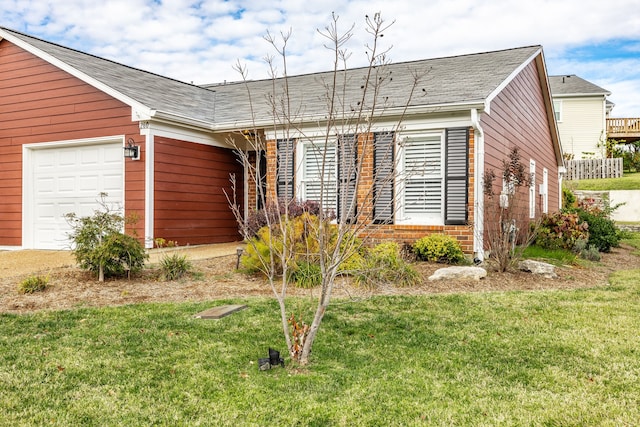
[171, 118]
[581, 95]
[387, 114]
[198, 136]
[76, 73]
[508, 80]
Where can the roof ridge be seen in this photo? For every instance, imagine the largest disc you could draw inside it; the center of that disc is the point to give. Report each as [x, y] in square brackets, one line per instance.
[364, 67]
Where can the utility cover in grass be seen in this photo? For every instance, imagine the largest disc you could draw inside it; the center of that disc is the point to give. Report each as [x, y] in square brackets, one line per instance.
[220, 311]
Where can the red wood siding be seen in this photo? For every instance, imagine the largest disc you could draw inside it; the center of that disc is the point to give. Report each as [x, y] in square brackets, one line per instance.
[41, 103]
[518, 118]
[190, 184]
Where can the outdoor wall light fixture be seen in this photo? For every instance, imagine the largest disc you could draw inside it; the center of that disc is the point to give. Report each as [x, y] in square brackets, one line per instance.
[131, 151]
[239, 252]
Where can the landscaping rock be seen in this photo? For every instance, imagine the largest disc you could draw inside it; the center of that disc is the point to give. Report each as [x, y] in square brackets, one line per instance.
[536, 267]
[447, 273]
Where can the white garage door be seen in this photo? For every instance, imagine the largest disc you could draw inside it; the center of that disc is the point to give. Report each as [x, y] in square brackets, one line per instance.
[70, 179]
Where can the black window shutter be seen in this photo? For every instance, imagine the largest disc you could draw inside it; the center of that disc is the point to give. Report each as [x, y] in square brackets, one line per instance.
[285, 169]
[383, 177]
[261, 175]
[347, 176]
[456, 176]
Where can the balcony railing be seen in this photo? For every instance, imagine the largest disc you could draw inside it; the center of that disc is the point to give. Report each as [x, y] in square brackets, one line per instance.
[620, 128]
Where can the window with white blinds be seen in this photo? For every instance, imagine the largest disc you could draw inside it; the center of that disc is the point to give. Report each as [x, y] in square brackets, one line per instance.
[422, 198]
[319, 174]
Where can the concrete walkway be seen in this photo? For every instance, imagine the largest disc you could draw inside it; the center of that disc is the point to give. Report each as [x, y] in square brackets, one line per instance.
[31, 261]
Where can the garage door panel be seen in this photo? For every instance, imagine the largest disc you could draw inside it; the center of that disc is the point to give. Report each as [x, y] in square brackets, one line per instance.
[45, 186]
[88, 182]
[66, 185]
[70, 180]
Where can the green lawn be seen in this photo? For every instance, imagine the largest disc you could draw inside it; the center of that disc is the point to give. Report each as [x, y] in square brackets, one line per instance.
[630, 181]
[515, 358]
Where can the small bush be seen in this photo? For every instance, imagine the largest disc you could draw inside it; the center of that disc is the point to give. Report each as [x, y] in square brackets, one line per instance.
[100, 246]
[302, 243]
[561, 230]
[273, 212]
[383, 264]
[33, 284]
[568, 199]
[591, 253]
[439, 248]
[174, 266]
[306, 275]
[603, 233]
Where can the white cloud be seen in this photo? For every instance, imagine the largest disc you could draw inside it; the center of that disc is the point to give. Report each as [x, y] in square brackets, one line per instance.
[200, 41]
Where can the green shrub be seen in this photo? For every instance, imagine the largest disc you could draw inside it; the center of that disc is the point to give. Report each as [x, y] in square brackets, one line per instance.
[174, 266]
[33, 284]
[302, 243]
[306, 275]
[439, 248]
[568, 199]
[101, 247]
[383, 264]
[591, 253]
[603, 233]
[561, 230]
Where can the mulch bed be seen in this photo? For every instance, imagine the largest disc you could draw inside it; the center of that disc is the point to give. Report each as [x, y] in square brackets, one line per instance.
[216, 278]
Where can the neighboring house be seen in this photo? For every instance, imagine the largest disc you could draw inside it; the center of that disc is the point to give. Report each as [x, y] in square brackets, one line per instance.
[581, 110]
[67, 115]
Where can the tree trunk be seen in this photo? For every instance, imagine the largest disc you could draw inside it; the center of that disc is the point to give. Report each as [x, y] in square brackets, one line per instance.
[101, 273]
[313, 331]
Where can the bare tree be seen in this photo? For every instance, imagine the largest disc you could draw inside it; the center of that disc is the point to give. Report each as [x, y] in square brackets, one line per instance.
[510, 223]
[346, 202]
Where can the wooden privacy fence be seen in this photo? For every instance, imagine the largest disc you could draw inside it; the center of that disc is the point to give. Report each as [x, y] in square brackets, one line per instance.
[594, 168]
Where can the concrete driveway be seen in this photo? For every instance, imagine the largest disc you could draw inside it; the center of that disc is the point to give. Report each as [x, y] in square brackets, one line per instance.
[31, 261]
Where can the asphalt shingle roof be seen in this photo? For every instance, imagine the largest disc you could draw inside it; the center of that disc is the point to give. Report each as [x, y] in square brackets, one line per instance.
[464, 79]
[574, 85]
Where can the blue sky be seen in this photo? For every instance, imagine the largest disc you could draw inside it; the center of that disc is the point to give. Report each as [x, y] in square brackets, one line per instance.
[200, 40]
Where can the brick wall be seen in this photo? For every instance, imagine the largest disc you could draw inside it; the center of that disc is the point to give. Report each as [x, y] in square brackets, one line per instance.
[403, 234]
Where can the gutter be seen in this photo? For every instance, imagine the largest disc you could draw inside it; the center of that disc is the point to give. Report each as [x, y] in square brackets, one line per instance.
[478, 194]
[386, 113]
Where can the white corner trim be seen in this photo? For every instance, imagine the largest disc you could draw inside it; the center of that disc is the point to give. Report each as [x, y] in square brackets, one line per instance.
[149, 174]
[478, 194]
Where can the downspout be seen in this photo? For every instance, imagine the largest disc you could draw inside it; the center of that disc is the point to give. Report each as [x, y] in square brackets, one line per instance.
[478, 194]
[149, 159]
[245, 184]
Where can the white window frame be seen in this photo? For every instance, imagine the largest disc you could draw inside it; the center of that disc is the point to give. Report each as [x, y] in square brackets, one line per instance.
[532, 188]
[544, 191]
[331, 176]
[404, 215]
[557, 110]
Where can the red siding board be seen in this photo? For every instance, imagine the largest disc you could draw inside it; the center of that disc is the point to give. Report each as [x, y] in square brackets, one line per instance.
[190, 180]
[41, 103]
[518, 118]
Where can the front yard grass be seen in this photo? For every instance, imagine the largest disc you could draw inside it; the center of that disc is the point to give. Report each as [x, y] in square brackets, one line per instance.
[495, 358]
